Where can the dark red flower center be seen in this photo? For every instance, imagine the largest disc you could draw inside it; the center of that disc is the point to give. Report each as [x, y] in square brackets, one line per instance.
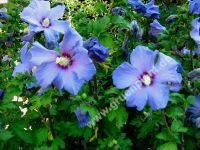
[64, 61]
[146, 79]
[46, 22]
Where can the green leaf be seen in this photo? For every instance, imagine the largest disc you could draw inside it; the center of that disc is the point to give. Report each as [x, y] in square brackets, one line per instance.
[176, 98]
[73, 129]
[58, 143]
[41, 135]
[164, 135]
[107, 40]
[175, 112]
[168, 146]
[5, 135]
[177, 126]
[26, 136]
[100, 25]
[146, 128]
[120, 21]
[112, 90]
[119, 115]
[190, 100]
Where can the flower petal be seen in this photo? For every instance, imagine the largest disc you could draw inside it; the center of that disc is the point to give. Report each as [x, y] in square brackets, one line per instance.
[73, 86]
[51, 35]
[194, 6]
[68, 80]
[195, 36]
[70, 40]
[195, 31]
[136, 98]
[29, 37]
[46, 73]
[158, 96]
[167, 72]
[60, 26]
[35, 28]
[152, 10]
[143, 58]
[34, 12]
[57, 12]
[156, 28]
[83, 66]
[125, 75]
[22, 68]
[42, 55]
[23, 53]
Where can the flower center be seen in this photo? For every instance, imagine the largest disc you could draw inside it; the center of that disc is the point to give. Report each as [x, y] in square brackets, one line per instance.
[63, 61]
[146, 79]
[46, 22]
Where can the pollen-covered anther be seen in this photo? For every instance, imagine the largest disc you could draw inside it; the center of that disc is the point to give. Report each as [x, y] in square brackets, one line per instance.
[63, 61]
[46, 22]
[146, 80]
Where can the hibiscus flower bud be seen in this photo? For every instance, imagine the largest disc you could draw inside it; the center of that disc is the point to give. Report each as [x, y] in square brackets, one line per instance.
[136, 30]
[118, 11]
[83, 118]
[96, 50]
[171, 18]
[194, 110]
[156, 28]
[194, 6]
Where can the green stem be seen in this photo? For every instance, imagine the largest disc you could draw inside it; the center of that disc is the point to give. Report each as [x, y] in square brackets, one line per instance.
[111, 5]
[166, 124]
[90, 88]
[51, 124]
[95, 87]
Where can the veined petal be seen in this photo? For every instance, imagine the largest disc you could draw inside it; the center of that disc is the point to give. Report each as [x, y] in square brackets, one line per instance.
[23, 53]
[143, 58]
[195, 36]
[42, 55]
[138, 5]
[125, 75]
[28, 14]
[156, 28]
[35, 28]
[69, 81]
[194, 6]
[60, 26]
[70, 40]
[22, 68]
[59, 81]
[43, 7]
[46, 74]
[83, 66]
[137, 98]
[57, 12]
[29, 37]
[34, 12]
[51, 35]
[152, 10]
[195, 31]
[158, 95]
[168, 71]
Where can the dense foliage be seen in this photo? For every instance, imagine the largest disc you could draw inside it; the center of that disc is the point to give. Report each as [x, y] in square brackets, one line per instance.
[72, 95]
